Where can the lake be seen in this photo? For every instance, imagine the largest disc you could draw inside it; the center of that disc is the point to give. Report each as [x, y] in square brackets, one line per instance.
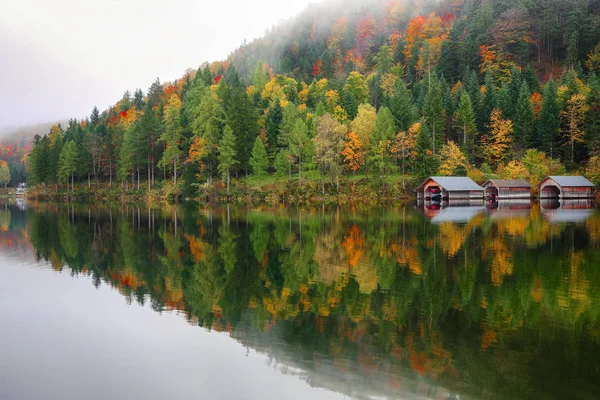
[407, 301]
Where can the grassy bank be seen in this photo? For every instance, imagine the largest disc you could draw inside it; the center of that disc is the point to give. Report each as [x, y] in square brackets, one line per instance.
[272, 189]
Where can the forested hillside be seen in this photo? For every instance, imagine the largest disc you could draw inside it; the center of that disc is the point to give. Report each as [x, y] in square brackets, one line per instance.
[378, 87]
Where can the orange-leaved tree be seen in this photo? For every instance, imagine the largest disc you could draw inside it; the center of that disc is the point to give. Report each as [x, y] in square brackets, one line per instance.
[353, 153]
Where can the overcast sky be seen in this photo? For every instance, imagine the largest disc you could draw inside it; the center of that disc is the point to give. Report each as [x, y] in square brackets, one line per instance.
[59, 58]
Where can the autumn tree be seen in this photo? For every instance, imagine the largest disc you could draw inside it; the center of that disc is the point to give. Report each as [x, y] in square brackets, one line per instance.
[514, 170]
[4, 173]
[328, 147]
[495, 144]
[353, 153]
[227, 155]
[259, 161]
[592, 170]
[404, 147]
[452, 160]
[297, 145]
[198, 150]
[357, 86]
[363, 125]
[593, 61]
[572, 117]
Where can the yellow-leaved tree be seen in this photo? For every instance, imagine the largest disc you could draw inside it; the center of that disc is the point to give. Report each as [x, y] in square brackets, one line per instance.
[573, 117]
[452, 160]
[513, 170]
[198, 150]
[495, 144]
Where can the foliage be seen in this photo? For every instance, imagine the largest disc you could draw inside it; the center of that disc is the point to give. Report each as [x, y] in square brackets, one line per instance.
[259, 160]
[495, 145]
[452, 160]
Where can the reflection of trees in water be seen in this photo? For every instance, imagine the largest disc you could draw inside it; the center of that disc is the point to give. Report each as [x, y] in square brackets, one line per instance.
[382, 291]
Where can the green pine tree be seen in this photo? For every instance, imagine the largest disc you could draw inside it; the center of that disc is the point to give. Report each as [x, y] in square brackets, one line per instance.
[524, 119]
[67, 164]
[464, 120]
[172, 135]
[259, 160]
[434, 113]
[402, 107]
[227, 155]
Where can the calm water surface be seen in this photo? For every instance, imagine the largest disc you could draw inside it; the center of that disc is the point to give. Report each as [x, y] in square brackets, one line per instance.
[404, 301]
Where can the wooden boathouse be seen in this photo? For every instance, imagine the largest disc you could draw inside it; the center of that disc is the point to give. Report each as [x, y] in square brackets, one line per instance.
[507, 189]
[566, 187]
[449, 188]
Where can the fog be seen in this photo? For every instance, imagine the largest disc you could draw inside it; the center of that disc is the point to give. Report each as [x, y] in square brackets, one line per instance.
[58, 59]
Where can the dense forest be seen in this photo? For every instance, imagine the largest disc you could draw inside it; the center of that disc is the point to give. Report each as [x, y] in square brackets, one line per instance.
[389, 89]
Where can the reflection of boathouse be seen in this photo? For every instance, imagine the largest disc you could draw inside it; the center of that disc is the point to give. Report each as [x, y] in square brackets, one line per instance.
[566, 187]
[508, 209]
[507, 189]
[455, 212]
[577, 210]
[449, 188]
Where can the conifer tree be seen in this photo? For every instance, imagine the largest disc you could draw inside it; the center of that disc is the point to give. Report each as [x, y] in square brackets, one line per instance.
[548, 133]
[489, 102]
[297, 145]
[434, 113]
[273, 121]
[67, 164]
[524, 119]
[227, 155]
[172, 135]
[259, 161]
[402, 107]
[464, 119]
[425, 162]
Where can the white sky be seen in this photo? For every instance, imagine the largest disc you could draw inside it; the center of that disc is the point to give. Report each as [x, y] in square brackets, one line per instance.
[59, 58]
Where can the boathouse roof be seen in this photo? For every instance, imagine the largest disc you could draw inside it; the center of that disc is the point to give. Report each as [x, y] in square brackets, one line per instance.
[453, 183]
[570, 181]
[509, 183]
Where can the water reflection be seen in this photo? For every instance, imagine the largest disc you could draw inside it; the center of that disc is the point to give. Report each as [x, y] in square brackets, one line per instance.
[471, 301]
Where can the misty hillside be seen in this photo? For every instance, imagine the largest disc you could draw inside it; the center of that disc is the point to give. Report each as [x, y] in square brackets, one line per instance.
[346, 35]
[22, 135]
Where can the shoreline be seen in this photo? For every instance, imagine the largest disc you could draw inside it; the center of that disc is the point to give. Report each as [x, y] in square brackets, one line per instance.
[363, 192]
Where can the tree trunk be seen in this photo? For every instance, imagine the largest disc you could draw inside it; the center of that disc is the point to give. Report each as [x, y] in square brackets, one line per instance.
[110, 171]
[138, 178]
[300, 170]
[175, 171]
[148, 173]
[322, 183]
[228, 185]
